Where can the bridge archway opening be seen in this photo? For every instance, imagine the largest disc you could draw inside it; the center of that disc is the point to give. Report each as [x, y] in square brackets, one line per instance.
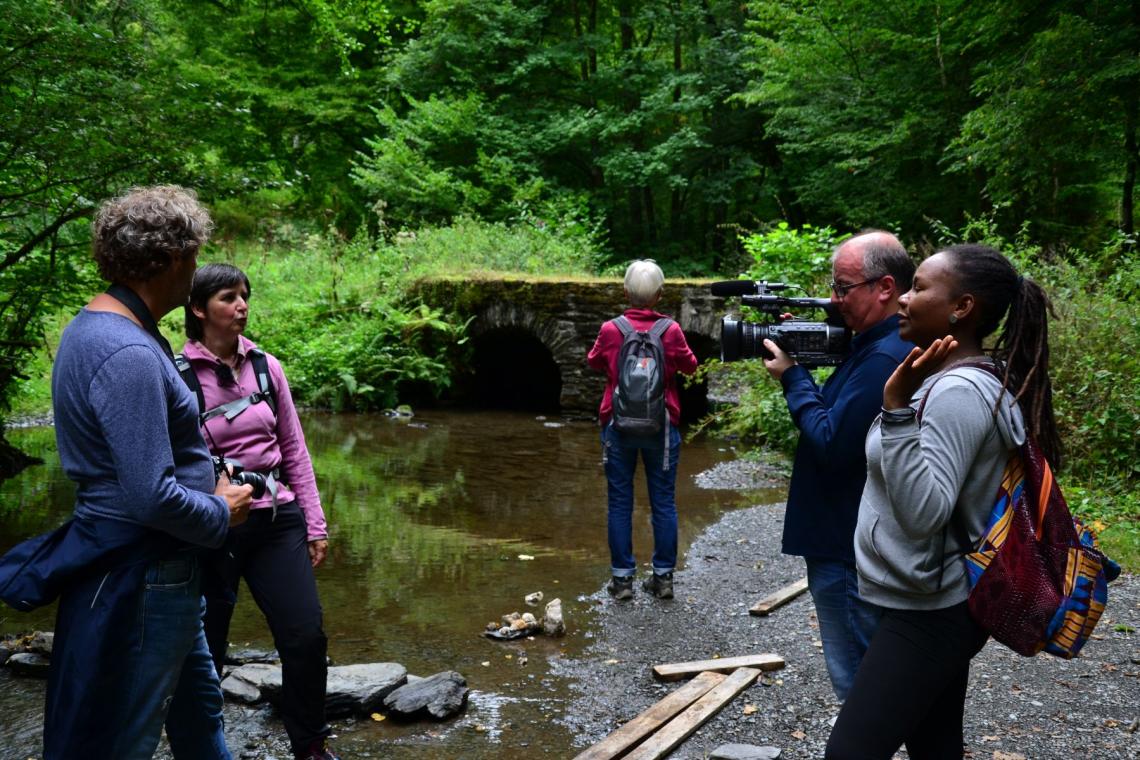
[694, 397]
[514, 370]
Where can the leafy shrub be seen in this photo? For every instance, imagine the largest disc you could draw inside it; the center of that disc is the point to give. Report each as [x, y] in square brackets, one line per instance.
[336, 313]
[781, 254]
[784, 254]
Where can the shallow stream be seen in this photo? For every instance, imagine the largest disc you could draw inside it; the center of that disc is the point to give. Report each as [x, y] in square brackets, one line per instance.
[432, 521]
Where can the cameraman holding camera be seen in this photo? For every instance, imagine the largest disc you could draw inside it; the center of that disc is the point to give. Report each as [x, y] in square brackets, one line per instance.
[869, 272]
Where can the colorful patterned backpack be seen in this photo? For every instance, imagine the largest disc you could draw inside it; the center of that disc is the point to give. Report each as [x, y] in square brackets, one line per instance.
[1038, 580]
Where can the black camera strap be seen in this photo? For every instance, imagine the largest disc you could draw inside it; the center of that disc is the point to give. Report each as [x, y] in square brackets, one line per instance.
[131, 300]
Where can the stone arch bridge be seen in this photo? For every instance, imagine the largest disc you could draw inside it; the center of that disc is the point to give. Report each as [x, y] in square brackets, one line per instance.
[530, 337]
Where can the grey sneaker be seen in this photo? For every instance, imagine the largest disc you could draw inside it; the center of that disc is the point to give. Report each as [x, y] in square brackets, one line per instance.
[621, 588]
[661, 586]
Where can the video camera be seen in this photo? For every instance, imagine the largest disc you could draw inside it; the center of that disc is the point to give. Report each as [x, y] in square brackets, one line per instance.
[240, 476]
[812, 344]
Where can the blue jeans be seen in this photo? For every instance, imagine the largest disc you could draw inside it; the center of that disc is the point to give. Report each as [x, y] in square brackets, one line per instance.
[846, 622]
[171, 676]
[620, 457]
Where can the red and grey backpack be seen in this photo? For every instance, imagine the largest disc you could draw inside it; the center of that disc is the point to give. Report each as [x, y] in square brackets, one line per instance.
[639, 394]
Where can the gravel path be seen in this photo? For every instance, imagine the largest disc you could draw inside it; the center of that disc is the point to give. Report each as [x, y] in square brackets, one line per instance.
[1018, 708]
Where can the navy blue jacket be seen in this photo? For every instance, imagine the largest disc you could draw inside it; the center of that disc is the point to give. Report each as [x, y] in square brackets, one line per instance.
[831, 465]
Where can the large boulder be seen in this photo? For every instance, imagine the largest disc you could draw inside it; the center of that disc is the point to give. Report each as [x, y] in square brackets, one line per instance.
[440, 696]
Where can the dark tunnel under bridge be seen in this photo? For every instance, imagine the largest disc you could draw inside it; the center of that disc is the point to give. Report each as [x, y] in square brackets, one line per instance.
[529, 339]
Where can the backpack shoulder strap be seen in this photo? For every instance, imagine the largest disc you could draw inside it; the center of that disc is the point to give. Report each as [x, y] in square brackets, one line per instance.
[182, 364]
[985, 366]
[264, 381]
[624, 326]
[660, 326]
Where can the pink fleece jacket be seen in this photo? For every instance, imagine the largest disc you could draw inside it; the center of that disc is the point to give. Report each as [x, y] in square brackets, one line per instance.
[257, 438]
[678, 358]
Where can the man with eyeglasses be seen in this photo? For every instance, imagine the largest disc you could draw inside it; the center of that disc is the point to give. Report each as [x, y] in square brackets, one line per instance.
[869, 272]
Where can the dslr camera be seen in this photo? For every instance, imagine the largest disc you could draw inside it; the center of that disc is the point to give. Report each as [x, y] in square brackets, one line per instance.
[240, 476]
[812, 344]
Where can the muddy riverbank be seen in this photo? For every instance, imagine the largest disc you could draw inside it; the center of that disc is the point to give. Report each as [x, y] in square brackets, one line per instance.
[1030, 708]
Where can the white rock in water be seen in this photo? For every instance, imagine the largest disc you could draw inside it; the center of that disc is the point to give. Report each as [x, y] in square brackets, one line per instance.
[533, 599]
[552, 623]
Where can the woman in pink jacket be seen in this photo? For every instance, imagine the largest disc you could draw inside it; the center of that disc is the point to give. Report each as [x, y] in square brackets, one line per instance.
[248, 416]
[659, 452]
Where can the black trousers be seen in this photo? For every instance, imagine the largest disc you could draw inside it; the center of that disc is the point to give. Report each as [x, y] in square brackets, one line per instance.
[273, 557]
[910, 688]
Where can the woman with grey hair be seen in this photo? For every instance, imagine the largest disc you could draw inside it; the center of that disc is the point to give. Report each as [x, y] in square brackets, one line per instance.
[624, 441]
[130, 653]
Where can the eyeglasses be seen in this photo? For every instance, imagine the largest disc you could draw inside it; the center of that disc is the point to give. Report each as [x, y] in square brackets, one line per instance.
[841, 291]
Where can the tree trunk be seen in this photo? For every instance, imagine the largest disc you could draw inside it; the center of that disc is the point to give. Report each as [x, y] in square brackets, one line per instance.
[675, 206]
[1131, 107]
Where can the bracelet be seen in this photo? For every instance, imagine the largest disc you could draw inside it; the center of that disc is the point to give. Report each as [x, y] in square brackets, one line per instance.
[899, 416]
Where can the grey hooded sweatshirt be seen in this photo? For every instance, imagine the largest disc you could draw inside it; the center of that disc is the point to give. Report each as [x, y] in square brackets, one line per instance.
[919, 474]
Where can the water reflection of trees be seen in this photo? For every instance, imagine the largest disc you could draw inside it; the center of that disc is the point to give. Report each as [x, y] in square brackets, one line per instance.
[40, 497]
[398, 514]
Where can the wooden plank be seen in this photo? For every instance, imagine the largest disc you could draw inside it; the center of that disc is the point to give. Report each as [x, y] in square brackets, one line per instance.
[678, 670]
[651, 719]
[779, 598]
[682, 727]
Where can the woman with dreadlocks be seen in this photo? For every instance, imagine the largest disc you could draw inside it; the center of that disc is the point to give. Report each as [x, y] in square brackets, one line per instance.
[930, 486]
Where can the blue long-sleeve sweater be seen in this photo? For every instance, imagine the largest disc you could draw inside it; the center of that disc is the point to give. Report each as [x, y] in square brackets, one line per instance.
[830, 466]
[127, 430]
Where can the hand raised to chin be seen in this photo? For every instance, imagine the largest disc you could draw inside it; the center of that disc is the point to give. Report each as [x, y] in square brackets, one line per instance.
[918, 365]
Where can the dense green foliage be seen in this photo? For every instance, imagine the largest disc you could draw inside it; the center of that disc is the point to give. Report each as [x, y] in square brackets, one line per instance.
[571, 136]
[667, 128]
[337, 311]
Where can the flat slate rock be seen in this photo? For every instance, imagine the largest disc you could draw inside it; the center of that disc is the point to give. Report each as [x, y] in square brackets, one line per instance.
[441, 696]
[240, 690]
[262, 678]
[29, 664]
[350, 690]
[361, 688]
[247, 656]
[744, 752]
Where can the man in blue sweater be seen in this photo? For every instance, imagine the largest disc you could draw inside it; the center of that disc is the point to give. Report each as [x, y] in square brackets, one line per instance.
[869, 272]
[130, 653]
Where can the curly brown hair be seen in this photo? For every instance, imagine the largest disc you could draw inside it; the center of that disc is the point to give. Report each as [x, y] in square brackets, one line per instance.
[137, 234]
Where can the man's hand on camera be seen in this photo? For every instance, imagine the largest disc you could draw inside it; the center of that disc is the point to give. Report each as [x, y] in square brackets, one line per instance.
[238, 499]
[779, 362]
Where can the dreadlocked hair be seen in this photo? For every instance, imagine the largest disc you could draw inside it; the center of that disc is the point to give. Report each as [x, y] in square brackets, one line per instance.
[1022, 347]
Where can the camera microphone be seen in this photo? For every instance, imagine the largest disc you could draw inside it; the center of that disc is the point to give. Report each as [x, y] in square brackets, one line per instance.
[729, 288]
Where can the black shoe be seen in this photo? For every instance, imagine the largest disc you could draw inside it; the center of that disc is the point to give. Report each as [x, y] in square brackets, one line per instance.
[621, 588]
[661, 586]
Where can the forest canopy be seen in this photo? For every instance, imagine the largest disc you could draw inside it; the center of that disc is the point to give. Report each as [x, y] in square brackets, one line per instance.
[669, 128]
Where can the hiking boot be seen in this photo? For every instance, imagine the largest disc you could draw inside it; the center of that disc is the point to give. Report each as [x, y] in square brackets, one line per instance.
[621, 587]
[318, 750]
[661, 586]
